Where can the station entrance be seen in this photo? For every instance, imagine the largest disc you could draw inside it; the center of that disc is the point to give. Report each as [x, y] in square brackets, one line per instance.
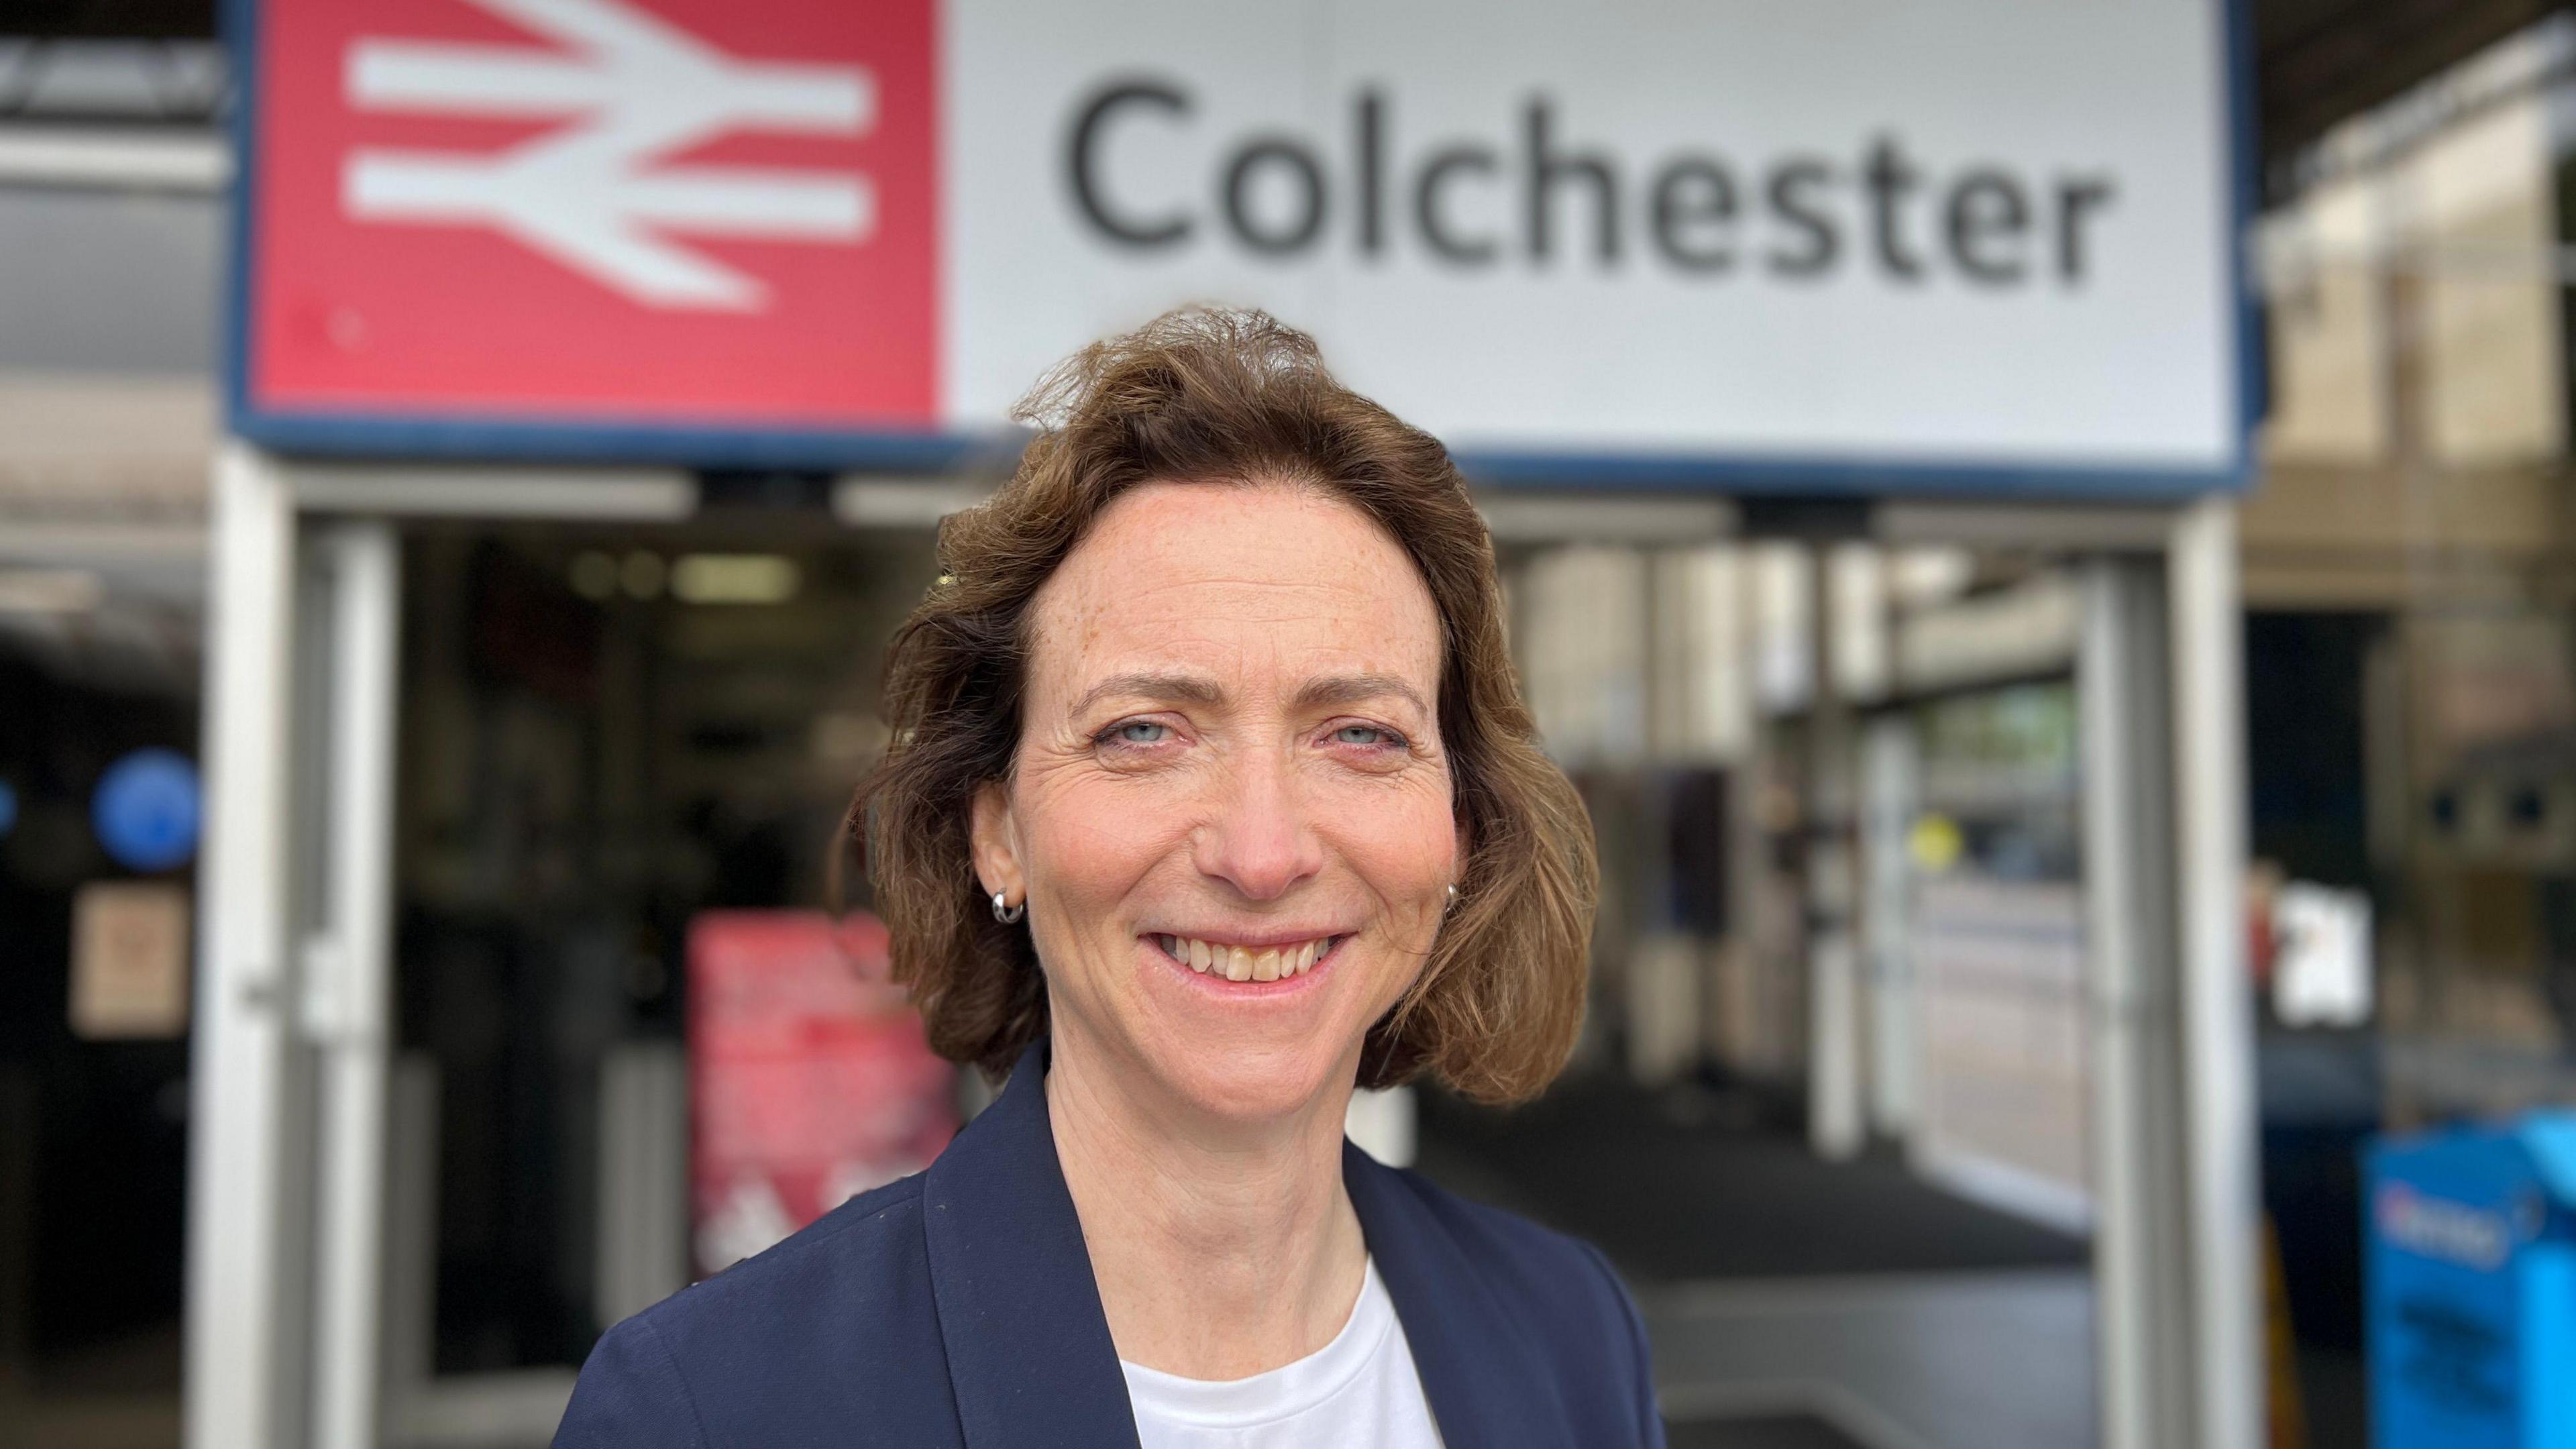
[1917, 1031]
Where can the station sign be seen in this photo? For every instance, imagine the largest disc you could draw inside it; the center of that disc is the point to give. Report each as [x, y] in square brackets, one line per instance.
[1981, 245]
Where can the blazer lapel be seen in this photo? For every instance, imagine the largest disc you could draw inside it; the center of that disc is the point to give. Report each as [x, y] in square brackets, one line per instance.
[1488, 1380]
[1029, 1353]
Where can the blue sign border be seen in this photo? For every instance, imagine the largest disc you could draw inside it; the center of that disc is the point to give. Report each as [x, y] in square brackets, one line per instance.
[729, 446]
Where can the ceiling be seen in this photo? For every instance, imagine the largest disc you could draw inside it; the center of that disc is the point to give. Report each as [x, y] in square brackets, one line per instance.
[2320, 61]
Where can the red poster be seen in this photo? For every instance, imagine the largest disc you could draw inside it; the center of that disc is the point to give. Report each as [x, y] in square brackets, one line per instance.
[810, 1077]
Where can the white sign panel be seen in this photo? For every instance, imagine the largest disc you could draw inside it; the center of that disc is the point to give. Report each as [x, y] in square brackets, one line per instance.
[1988, 236]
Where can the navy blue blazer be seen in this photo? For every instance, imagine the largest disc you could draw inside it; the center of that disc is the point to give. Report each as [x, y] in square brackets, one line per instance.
[957, 1307]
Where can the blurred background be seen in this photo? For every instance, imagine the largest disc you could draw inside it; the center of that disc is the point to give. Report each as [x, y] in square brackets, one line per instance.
[2034, 873]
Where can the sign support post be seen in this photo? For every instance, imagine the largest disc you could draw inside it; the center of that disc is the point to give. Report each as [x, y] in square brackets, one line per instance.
[2177, 1298]
[2140, 1253]
[2223, 1216]
[349, 996]
[245, 1304]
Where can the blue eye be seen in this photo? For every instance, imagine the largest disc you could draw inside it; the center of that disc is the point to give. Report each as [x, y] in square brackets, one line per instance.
[1365, 735]
[1137, 732]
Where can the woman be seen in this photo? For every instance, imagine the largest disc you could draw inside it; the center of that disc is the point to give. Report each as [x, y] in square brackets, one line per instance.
[1212, 797]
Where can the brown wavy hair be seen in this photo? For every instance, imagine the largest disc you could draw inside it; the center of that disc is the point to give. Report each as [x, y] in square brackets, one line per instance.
[1226, 397]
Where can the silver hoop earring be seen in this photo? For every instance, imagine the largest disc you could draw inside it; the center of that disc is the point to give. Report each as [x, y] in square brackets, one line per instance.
[1453, 900]
[1008, 915]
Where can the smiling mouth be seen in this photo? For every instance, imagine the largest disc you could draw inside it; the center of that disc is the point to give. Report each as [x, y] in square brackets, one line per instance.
[1246, 963]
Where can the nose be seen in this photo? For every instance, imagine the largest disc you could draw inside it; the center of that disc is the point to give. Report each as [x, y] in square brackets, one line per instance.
[1258, 838]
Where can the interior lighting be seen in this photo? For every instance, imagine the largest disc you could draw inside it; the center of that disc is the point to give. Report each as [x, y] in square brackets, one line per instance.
[735, 578]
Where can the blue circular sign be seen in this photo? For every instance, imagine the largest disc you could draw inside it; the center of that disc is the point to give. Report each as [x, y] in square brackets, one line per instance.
[146, 810]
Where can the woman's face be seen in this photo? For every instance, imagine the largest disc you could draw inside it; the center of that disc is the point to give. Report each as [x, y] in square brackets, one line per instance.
[1230, 810]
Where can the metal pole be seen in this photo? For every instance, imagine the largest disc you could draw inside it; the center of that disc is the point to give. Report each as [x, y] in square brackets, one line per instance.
[239, 1287]
[2217, 1056]
[351, 964]
[2140, 1253]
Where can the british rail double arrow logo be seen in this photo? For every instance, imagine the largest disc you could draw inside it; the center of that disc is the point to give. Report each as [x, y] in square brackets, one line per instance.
[597, 193]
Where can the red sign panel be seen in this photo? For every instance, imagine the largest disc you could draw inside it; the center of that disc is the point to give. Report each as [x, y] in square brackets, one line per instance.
[810, 1079]
[627, 214]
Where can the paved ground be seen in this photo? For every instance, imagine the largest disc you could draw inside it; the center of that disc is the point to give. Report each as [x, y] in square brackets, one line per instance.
[1693, 1184]
[1795, 1304]
[1968, 1360]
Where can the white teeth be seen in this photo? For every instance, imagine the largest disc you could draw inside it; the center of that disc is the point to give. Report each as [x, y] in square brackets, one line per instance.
[1244, 963]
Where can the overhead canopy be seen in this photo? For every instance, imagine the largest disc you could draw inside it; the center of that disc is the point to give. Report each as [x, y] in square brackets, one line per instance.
[2321, 61]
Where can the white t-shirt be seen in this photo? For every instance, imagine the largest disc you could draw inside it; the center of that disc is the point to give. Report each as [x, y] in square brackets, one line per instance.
[1360, 1391]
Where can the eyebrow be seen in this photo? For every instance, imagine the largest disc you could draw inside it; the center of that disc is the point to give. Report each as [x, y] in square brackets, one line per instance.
[1337, 689]
[1178, 688]
[1321, 693]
